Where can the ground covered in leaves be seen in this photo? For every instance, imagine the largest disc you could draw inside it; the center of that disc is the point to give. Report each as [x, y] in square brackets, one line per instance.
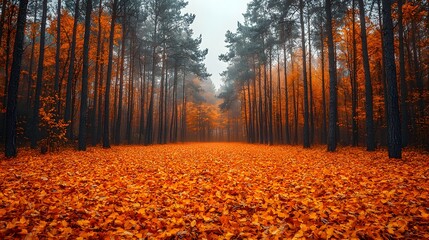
[212, 191]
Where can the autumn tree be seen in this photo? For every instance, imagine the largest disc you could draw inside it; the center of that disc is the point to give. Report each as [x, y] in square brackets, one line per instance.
[393, 118]
[84, 92]
[18, 49]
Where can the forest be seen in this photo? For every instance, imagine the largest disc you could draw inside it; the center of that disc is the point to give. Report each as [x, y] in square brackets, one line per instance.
[111, 125]
[132, 72]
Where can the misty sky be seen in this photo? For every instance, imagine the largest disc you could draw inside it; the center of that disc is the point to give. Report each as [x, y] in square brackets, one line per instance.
[213, 19]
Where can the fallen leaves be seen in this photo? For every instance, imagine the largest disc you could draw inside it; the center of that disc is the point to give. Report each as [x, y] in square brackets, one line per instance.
[212, 191]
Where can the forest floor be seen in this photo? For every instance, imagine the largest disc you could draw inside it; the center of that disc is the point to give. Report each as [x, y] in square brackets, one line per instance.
[214, 191]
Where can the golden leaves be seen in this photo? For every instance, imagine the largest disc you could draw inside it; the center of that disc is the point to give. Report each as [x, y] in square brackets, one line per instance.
[214, 191]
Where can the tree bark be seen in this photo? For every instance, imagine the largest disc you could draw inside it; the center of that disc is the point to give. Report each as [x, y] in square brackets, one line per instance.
[57, 59]
[393, 119]
[121, 88]
[18, 50]
[355, 130]
[333, 101]
[404, 87]
[369, 112]
[68, 111]
[96, 80]
[106, 136]
[84, 91]
[304, 76]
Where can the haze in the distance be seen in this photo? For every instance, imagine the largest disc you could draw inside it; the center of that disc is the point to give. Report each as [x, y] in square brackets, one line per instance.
[213, 19]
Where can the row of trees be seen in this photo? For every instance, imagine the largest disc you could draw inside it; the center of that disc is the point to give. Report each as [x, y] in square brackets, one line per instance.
[328, 72]
[116, 70]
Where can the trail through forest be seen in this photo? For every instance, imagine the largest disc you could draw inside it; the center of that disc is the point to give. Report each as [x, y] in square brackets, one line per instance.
[214, 191]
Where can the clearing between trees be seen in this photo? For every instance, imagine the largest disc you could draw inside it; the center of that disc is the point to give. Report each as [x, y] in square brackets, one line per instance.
[214, 191]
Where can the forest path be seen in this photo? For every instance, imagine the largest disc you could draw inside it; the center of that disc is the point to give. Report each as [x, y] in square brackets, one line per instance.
[208, 190]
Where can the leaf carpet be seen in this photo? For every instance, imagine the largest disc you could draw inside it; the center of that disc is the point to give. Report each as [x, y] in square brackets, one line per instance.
[214, 191]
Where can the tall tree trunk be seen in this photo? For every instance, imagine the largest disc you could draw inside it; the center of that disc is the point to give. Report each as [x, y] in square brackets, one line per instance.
[6, 67]
[161, 100]
[255, 105]
[115, 95]
[130, 92]
[36, 132]
[304, 76]
[183, 135]
[106, 134]
[121, 88]
[84, 91]
[251, 119]
[393, 119]
[310, 79]
[149, 124]
[96, 80]
[18, 50]
[7, 53]
[100, 98]
[30, 70]
[355, 132]
[369, 112]
[142, 99]
[270, 101]
[333, 101]
[261, 116]
[279, 99]
[322, 54]
[57, 59]
[417, 69]
[68, 111]
[287, 128]
[404, 87]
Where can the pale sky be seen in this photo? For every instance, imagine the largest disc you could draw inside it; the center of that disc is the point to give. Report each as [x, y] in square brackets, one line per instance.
[213, 19]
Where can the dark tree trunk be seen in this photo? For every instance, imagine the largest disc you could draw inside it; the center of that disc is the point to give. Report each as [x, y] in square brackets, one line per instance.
[68, 111]
[30, 70]
[393, 119]
[310, 80]
[333, 101]
[279, 100]
[84, 91]
[121, 89]
[106, 134]
[261, 115]
[370, 136]
[149, 124]
[417, 69]
[270, 101]
[18, 50]
[404, 87]
[161, 101]
[57, 60]
[322, 54]
[287, 128]
[143, 97]
[100, 99]
[355, 132]
[36, 132]
[96, 80]
[130, 93]
[304, 76]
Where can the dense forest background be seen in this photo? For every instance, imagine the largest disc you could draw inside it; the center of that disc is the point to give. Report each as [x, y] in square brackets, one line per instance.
[132, 72]
[326, 72]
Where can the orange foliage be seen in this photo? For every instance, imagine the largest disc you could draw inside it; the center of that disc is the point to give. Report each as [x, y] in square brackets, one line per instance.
[213, 191]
